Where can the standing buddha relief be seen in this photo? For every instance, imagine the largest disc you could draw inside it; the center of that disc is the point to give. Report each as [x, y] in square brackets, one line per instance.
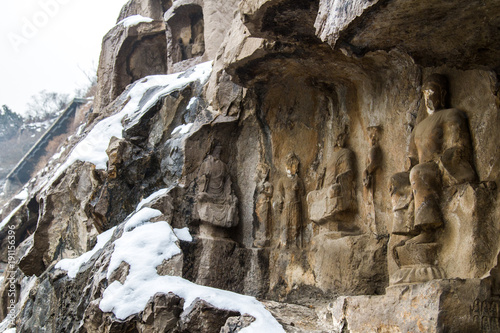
[288, 203]
[335, 194]
[374, 158]
[440, 155]
[263, 205]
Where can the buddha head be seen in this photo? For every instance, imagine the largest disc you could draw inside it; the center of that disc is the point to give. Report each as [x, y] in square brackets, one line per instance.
[434, 90]
[292, 165]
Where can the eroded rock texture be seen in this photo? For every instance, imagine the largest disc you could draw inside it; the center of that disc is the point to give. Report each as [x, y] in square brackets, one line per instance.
[336, 159]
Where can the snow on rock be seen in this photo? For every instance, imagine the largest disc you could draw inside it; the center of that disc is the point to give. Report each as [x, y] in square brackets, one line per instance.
[72, 266]
[59, 153]
[183, 129]
[93, 147]
[141, 217]
[23, 195]
[183, 234]
[12, 213]
[146, 247]
[152, 197]
[192, 102]
[134, 20]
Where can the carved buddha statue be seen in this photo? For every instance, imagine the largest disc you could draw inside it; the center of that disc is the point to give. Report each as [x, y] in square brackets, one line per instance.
[440, 155]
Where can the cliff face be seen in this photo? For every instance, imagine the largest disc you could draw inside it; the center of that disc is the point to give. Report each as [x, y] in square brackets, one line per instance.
[301, 152]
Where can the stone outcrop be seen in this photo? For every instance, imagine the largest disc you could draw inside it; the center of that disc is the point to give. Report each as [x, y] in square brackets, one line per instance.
[129, 53]
[315, 163]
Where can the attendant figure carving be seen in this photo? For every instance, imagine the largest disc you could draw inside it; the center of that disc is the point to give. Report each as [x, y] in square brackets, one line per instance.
[373, 162]
[215, 202]
[374, 158]
[263, 205]
[289, 203]
[337, 191]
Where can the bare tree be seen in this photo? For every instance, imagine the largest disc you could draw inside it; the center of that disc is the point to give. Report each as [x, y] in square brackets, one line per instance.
[10, 122]
[45, 105]
[88, 89]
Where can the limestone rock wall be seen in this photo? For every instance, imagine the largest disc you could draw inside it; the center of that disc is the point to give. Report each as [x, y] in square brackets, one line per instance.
[284, 162]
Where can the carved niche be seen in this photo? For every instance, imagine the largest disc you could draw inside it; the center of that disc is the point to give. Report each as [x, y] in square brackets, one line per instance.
[440, 156]
[185, 24]
[216, 203]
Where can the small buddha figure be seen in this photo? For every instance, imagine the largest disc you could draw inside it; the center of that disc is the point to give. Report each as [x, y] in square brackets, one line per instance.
[337, 191]
[374, 158]
[263, 205]
[198, 47]
[440, 155]
[289, 203]
[215, 202]
[373, 162]
[402, 204]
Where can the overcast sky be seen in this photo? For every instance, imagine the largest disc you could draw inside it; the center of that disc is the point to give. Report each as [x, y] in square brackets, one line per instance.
[46, 44]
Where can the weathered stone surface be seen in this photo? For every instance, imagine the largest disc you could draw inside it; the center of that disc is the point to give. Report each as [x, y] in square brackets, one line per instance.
[147, 8]
[58, 235]
[236, 324]
[360, 270]
[221, 263]
[171, 267]
[454, 41]
[280, 18]
[454, 305]
[204, 318]
[162, 314]
[218, 17]
[335, 16]
[297, 318]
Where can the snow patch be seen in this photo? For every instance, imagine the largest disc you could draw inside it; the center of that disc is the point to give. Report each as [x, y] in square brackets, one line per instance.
[141, 217]
[183, 129]
[134, 20]
[143, 248]
[80, 129]
[12, 213]
[183, 234]
[146, 247]
[72, 266]
[192, 101]
[93, 147]
[152, 197]
[23, 195]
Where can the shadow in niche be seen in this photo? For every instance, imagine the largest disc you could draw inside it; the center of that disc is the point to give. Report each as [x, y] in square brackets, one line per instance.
[187, 33]
[27, 229]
